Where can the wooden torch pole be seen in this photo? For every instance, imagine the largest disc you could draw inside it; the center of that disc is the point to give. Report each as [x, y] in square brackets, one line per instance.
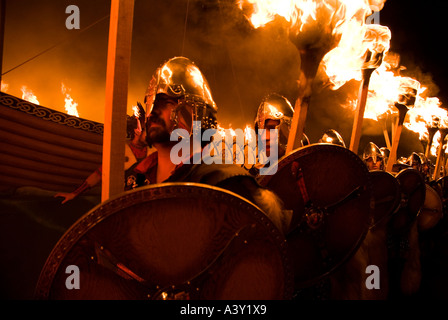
[443, 133]
[402, 110]
[117, 76]
[383, 119]
[431, 133]
[310, 60]
[360, 108]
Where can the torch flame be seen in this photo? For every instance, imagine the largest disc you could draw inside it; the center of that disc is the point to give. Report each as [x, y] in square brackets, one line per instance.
[386, 88]
[4, 86]
[248, 134]
[426, 113]
[70, 104]
[361, 47]
[300, 13]
[28, 95]
[436, 144]
[136, 112]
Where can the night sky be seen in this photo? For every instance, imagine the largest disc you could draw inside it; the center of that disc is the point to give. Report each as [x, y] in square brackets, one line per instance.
[241, 64]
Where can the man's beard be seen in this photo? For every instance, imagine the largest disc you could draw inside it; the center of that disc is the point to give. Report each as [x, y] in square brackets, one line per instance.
[157, 134]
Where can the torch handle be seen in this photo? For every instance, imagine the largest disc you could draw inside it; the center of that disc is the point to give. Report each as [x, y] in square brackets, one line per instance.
[431, 134]
[298, 124]
[443, 133]
[402, 110]
[360, 108]
[386, 134]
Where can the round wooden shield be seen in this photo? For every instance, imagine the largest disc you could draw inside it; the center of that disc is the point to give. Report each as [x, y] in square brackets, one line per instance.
[329, 190]
[432, 210]
[413, 190]
[386, 195]
[441, 186]
[170, 241]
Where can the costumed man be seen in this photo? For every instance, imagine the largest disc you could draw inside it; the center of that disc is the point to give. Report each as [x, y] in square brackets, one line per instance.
[178, 97]
[419, 162]
[386, 153]
[333, 137]
[274, 113]
[373, 157]
[136, 149]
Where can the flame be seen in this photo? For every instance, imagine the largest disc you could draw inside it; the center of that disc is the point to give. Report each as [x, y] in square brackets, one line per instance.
[136, 112]
[70, 105]
[383, 93]
[386, 88]
[232, 132]
[248, 134]
[426, 113]
[28, 95]
[300, 13]
[313, 24]
[4, 87]
[361, 47]
[436, 144]
[221, 131]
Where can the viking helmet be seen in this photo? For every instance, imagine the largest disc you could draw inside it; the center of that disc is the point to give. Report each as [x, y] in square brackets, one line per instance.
[276, 107]
[333, 137]
[372, 151]
[385, 152]
[181, 79]
[415, 160]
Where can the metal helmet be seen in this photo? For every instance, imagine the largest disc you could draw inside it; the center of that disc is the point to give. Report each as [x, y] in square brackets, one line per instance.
[415, 161]
[372, 151]
[305, 140]
[181, 79]
[333, 137]
[385, 152]
[276, 107]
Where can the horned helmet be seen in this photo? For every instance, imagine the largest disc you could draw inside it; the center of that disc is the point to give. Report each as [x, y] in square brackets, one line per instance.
[181, 79]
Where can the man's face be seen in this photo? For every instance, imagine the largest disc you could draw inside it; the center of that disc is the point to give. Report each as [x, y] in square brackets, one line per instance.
[159, 124]
[371, 165]
[269, 124]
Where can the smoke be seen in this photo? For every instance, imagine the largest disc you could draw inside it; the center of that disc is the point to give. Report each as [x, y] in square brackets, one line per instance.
[241, 64]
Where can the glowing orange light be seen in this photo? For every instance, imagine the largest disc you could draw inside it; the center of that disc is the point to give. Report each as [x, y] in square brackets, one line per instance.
[28, 95]
[70, 104]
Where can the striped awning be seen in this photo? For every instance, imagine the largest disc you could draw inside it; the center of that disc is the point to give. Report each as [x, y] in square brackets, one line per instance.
[44, 148]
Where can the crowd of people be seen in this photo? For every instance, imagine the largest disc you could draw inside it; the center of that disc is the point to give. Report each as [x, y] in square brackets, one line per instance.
[179, 94]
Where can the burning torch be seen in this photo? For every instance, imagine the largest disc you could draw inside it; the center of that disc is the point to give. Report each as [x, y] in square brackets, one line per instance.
[378, 38]
[440, 152]
[315, 28]
[432, 128]
[314, 34]
[406, 99]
